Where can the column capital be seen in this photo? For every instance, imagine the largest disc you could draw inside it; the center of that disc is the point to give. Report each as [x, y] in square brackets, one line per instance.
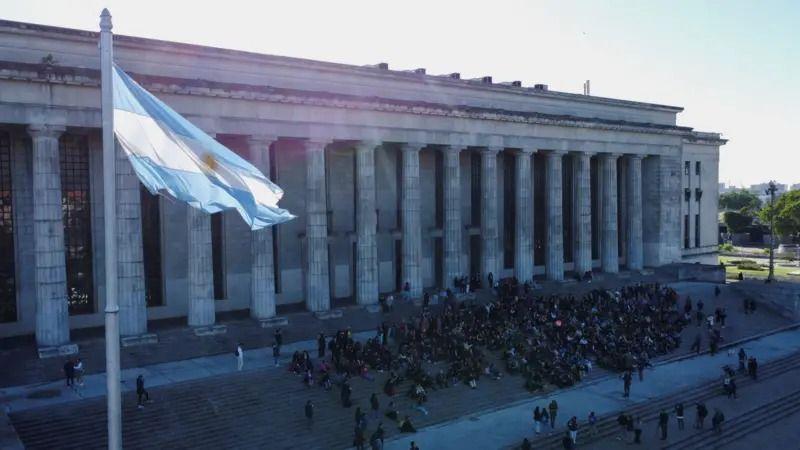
[261, 140]
[494, 149]
[43, 130]
[367, 145]
[316, 144]
[635, 156]
[582, 153]
[412, 147]
[525, 151]
[554, 153]
[453, 148]
[609, 155]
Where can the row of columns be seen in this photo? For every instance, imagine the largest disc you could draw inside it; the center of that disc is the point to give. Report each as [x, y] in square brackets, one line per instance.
[52, 315]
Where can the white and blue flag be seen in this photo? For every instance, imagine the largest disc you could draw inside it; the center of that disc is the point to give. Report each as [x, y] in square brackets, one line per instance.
[176, 159]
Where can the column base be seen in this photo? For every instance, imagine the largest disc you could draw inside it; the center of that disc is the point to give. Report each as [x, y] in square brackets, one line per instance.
[210, 330]
[273, 322]
[58, 350]
[142, 339]
[373, 308]
[330, 314]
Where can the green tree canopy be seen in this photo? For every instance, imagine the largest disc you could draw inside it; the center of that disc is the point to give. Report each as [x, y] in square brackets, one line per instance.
[787, 214]
[740, 200]
[736, 221]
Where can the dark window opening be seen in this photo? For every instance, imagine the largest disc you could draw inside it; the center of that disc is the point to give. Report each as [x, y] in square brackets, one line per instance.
[151, 248]
[218, 255]
[686, 231]
[475, 193]
[687, 167]
[509, 208]
[8, 286]
[77, 216]
[697, 168]
[566, 208]
[697, 230]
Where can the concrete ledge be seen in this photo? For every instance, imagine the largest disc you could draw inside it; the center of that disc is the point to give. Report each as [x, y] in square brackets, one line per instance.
[647, 272]
[210, 330]
[623, 275]
[374, 308]
[273, 322]
[330, 314]
[61, 350]
[142, 339]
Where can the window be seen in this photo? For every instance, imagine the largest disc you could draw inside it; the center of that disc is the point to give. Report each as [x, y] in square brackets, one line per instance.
[697, 230]
[76, 208]
[697, 168]
[8, 286]
[151, 248]
[687, 167]
[218, 255]
[685, 231]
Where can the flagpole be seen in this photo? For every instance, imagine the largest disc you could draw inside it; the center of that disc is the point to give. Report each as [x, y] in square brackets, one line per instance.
[110, 226]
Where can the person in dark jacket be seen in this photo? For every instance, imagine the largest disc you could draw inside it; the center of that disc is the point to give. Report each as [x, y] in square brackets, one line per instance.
[702, 412]
[553, 407]
[69, 372]
[663, 420]
[141, 392]
[375, 405]
[717, 420]
[358, 438]
[626, 380]
[679, 415]
[309, 413]
[346, 391]
[637, 431]
[321, 345]
[526, 444]
[566, 442]
[406, 426]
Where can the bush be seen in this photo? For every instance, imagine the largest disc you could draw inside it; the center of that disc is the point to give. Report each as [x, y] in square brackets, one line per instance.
[727, 247]
[747, 264]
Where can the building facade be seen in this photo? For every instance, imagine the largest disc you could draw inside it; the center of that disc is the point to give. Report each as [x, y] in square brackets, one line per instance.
[395, 176]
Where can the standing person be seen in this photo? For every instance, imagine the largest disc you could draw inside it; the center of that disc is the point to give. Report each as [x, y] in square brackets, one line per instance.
[276, 353]
[637, 431]
[572, 426]
[358, 438]
[630, 429]
[702, 412]
[592, 420]
[742, 359]
[413, 446]
[321, 345]
[491, 280]
[732, 388]
[346, 391]
[716, 291]
[626, 379]
[622, 421]
[309, 413]
[278, 336]
[141, 392]
[752, 368]
[717, 419]
[537, 420]
[696, 344]
[723, 314]
[679, 415]
[239, 353]
[375, 405]
[566, 442]
[78, 371]
[663, 420]
[553, 407]
[69, 372]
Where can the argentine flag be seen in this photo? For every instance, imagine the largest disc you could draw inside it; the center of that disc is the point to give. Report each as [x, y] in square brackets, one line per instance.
[176, 159]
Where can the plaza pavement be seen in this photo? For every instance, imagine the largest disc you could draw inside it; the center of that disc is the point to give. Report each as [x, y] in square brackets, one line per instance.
[174, 379]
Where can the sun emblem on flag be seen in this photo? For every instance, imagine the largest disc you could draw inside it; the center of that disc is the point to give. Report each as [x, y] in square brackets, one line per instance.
[210, 161]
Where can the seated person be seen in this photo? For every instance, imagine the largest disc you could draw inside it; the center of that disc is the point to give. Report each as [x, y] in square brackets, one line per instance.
[392, 412]
[406, 426]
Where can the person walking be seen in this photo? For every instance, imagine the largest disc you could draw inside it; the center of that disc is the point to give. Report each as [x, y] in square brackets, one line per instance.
[276, 353]
[732, 388]
[742, 360]
[358, 438]
[679, 415]
[717, 420]
[622, 421]
[141, 392]
[572, 426]
[239, 354]
[592, 420]
[346, 391]
[702, 412]
[69, 372]
[567, 442]
[696, 344]
[78, 370]
[637, 431]
[553, 407]
[626, 379]
[752, 368]
[321, 345]
[309, 413]
[375, 405]
[278, 337]
[663, 420]
[537, 420]
[545, 417]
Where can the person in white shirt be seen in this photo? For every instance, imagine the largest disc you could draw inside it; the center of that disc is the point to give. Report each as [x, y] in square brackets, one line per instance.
[239, 357]
[79, 372]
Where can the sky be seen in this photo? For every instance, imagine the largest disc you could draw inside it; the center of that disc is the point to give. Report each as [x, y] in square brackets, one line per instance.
[733, 65]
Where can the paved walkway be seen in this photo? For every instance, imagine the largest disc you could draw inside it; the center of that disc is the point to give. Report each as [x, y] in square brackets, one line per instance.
[510, 425]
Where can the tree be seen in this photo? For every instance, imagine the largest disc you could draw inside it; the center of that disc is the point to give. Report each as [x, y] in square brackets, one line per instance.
[787, 214]
[736, 222]
[740, 200]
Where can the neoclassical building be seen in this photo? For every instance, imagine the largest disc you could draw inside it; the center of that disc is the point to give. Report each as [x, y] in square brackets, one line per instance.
[395, 176]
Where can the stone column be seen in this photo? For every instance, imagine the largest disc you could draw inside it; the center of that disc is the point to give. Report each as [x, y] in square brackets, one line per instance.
[318, 290]
[452, 214]
[489, 232]
[366, 225]
[609, 253]
[635, 253]
[410, 204]
[554, 243]
[523, 220]
[262, 273]
[130, 268]
[201, 271]
[52, 313]
[582, 212]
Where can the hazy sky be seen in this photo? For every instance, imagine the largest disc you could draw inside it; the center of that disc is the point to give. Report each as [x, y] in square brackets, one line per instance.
[733, 65]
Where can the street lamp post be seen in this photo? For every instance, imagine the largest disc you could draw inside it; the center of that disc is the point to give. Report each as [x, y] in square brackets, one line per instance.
[771, 192]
